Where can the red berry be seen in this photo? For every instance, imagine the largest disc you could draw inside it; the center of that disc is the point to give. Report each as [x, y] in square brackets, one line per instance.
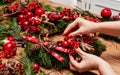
[106, 13]
[25, 23]
[18, 65]
[29, 14]
[116, 17]
[20, 23]
[37, 22]
[20, 17]
[39, 11]
[67, 18]
[36, 66]
[75, 16]
[24, 10]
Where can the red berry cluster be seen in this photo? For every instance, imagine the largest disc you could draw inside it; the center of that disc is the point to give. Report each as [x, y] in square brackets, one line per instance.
[19, 68]
[87, 39]
[33, 5]
[9, 48]
[68, 14]
[116, 17]
[53, 16]
[71, 44]
[65, 14]
[28, 19]
[11, 68]
[91, 19]
[14, 7]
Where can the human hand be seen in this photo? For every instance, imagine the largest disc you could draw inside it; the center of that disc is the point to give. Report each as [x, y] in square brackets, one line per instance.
[80, 26]
[90, 62]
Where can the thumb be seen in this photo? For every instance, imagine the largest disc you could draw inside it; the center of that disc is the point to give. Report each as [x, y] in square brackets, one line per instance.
[80, 52]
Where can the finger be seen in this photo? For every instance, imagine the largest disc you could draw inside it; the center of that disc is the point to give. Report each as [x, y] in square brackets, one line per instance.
[80, 52]
[72, 67]
[70, 27]
[73, 61]
[77, 32]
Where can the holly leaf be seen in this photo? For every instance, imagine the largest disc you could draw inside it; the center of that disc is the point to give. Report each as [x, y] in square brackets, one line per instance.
[48, 8]
[58, 9]
[42, 4]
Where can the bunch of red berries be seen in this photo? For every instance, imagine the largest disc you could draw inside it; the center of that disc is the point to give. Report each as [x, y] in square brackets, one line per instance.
[71, 44]
[29, 18]
[68, 14]
[8, 48]
[65, 14]
[116, 17]
[91, 19]
[11, 68]
[14, 7]
[87, 39]
[53, 16]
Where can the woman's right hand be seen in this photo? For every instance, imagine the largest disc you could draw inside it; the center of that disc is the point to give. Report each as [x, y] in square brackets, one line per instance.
[80, 26]
[90, 62]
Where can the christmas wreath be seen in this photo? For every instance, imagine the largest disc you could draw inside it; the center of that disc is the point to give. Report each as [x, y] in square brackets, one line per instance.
[30, 25]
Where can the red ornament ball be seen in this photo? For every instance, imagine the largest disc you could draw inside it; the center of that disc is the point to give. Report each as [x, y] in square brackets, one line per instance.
[39, 11]
[106, 13]
[65, 44]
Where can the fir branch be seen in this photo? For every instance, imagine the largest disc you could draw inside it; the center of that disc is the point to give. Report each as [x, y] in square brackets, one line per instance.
[27, 64]
[45, 58]
[14, 29]
[87, 13]
[2, 2]
[3, 31]
[41, 73]
[99, 47]
[42, 4]
[110, 37]
[62, 24]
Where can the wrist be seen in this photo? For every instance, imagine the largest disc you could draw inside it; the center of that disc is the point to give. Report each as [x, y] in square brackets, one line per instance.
[94, 28]
[105, 69]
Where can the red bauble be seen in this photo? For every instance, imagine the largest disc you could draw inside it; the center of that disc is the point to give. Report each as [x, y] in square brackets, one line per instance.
[9, 46]
[106, 13]
[65, 44]
[39, 11]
